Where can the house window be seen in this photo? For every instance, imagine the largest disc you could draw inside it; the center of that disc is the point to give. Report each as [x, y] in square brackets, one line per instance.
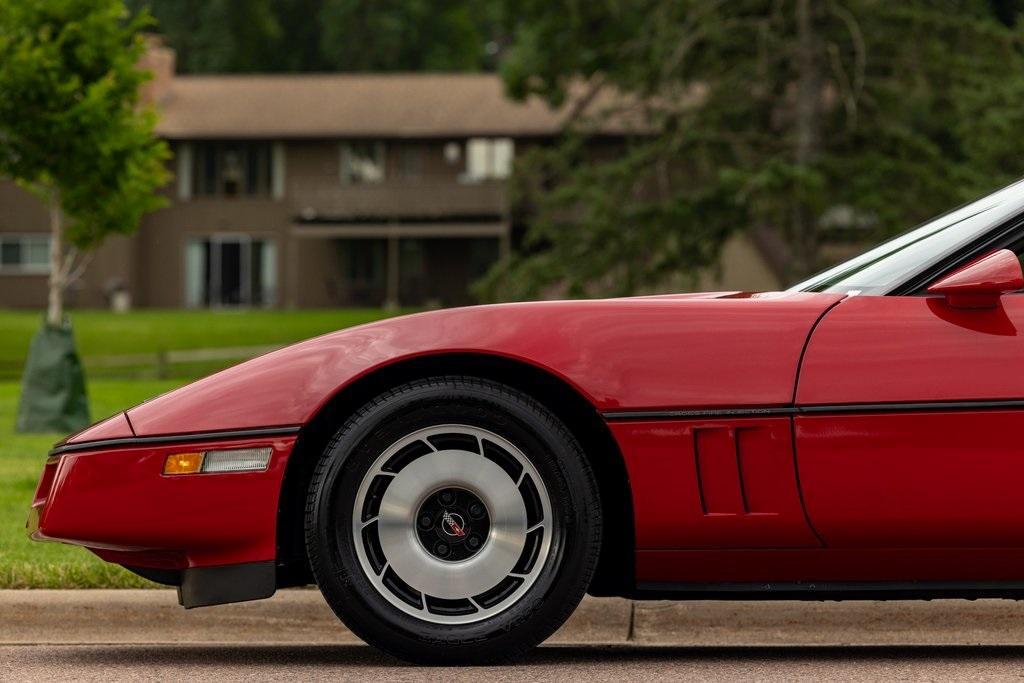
[230, 270]
[488, 158]
[410, 161]
[366, 263]
[362, 162]
[231, 169]
[29, 254]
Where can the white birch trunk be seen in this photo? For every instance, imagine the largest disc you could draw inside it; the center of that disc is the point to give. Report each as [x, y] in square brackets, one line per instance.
[55, 301]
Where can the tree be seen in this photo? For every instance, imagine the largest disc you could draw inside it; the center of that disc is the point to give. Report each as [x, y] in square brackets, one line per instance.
[402, 35]
[73, 132]
[221, 36]
[784, 118]
[216, 36]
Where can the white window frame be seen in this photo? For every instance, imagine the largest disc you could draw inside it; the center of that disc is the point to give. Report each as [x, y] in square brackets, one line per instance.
[188, 177]
[268, 275]
[488, 159]
[183, 154]
[26, 268]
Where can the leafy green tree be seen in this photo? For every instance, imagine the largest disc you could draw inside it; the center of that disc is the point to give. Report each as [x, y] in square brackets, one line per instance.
[402, 35]
[216, 36]
[221, 36]
[73, 132]
[1007, 11]
[789, 119]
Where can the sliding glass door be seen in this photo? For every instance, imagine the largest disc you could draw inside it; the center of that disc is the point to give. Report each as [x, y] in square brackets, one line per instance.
[230, 270]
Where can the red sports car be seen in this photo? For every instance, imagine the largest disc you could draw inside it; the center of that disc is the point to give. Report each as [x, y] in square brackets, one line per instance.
[454, 481]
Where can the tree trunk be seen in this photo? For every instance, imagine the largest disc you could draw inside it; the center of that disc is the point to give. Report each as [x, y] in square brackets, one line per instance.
[808, 132]
[53, 397]
[55, 302]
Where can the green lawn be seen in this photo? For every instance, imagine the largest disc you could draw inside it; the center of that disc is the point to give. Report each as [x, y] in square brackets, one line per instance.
[101, 333]
[25, 564]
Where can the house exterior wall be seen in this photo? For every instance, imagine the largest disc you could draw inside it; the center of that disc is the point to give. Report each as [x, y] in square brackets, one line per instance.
[314, 183]
[315, 275]
[21, 213]
[741, 267]
[314, 225]
[163, 235]
[112, 265]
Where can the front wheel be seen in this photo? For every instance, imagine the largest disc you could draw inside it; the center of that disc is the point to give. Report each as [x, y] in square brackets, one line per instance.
[453, 520]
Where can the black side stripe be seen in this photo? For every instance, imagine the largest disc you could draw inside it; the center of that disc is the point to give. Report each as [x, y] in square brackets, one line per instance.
[174, 438]
[700, 412]
[815, 409]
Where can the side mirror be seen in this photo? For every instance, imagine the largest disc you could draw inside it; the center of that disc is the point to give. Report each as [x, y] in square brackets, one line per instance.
[980, 283]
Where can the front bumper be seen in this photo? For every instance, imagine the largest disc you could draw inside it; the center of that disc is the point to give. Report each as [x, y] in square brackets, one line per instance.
[32, 524]
[214, 535]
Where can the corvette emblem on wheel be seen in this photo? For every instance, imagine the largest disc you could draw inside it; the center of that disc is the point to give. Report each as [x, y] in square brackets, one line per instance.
[452, 524]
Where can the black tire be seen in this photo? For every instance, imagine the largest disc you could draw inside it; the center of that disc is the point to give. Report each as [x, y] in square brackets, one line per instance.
[559, 582]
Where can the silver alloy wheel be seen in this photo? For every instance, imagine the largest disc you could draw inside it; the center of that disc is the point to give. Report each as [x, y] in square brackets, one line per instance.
[452, 524]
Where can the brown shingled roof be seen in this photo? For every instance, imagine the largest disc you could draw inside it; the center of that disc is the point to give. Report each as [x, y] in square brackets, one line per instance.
[349, 105]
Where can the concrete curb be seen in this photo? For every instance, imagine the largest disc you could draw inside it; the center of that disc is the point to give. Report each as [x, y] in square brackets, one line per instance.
[300, 616]
[291, 616]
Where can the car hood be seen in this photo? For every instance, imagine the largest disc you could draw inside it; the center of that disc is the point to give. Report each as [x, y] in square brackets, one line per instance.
[718, 348]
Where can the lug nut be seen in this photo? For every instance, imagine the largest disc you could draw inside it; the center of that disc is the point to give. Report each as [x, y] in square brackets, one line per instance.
[476, 510]
[426, 522]
[473, 542]
[447, 498]
[441, 549]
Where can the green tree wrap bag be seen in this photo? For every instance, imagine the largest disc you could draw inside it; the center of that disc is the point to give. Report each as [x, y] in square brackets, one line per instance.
[53, 388]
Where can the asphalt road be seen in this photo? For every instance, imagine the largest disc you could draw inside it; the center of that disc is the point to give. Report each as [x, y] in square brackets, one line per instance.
[551, 663]
[143, 635]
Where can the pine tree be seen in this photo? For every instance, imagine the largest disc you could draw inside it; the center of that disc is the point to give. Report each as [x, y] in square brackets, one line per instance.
[780, 118]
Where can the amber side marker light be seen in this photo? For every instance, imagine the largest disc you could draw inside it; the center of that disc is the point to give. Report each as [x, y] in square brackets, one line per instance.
[183, 463]
[208, 462]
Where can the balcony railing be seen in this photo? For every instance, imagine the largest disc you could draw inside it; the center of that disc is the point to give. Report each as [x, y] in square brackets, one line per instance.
[393, 198]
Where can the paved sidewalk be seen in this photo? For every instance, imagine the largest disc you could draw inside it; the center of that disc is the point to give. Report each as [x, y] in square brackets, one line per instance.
[300, 616]
[108, 636]
[558, 664]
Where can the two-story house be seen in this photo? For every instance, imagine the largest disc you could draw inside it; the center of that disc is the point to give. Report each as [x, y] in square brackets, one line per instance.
[315, 190]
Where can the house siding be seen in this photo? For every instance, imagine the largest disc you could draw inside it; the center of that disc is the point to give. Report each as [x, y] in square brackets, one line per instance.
[445, 227]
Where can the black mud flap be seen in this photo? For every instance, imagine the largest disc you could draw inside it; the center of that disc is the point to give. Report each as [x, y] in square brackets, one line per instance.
[204, 586]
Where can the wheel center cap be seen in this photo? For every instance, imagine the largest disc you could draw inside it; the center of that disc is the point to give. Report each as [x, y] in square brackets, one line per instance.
[453, 524]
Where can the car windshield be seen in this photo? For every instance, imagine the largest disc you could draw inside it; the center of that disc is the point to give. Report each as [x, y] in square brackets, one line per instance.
[877, 271]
